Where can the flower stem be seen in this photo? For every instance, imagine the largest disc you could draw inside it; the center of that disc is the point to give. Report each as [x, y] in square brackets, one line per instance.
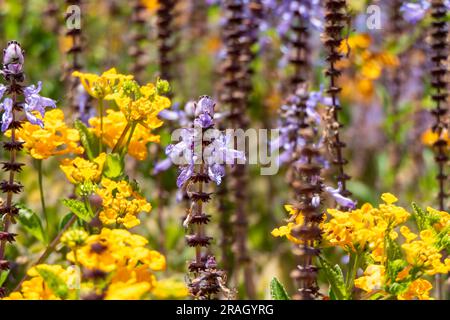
[133, 127]
[121, 138]
[49, 248]
[351, 274]
[41, 191]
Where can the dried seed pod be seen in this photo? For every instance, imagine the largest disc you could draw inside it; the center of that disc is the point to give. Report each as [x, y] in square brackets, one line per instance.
[138, 37]
[335, 22]
[439, 34]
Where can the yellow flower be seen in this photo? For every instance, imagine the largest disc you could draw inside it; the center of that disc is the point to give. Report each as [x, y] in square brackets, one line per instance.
[373, 278]
[389, 198]
[37, 289]
[423, 253]
[443, 219]
[285, 231]
[118, 250]
[113, 125]
[80, 170]
[120, 203]
[170, 289]
[141, 104]
[419, 289]
[55, 138]
[74, 238]
[151, 5]
[103, 86]
[364, 228]
[124, 291]
[429, 137]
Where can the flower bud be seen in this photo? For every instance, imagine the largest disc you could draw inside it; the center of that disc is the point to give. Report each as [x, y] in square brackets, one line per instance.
[13, 58]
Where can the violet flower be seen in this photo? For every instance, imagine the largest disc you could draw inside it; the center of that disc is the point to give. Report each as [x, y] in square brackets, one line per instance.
[339, 198]
[189, 151]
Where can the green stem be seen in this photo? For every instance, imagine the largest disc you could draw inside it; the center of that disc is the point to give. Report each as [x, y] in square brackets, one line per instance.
[100, 111]
[351, 274]
[121, 138]
[133, 127]
[41, 191]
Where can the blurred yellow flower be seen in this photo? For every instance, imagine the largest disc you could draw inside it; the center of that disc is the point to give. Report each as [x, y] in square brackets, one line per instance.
[80, 170]
[55, 138]
[429, 137]
[120, 203]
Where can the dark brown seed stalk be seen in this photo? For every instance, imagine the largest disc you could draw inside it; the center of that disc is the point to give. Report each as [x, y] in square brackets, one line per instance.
[234, 93]
[8, 209]
[335, 22]
[293, 110]
[138, 39]
[73, 58]
[439, 33]
[166, 45]
[198, 17]
[307, 186]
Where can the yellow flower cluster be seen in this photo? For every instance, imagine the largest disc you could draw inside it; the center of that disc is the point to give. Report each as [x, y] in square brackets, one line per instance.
[80, 170]
[37, 289]
[120, 254]
[369, 63]
[423, 253]
[120, 203]
[141, 103]
[418, 289]
[364, 228]
[125, 256]
[114, 124]
[103, 86]
[373, 278]
[55, 138]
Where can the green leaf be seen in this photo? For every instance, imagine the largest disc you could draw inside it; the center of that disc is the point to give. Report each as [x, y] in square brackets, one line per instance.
[113, 166]
[54, 282]
[421, 217]
[277, 290]
[3, 276]
[336, 279]
[65, 220]
[87, 139]
[78, 208]
[31, 222]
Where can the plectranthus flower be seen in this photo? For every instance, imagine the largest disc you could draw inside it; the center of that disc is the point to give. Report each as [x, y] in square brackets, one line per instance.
[215, 156]
[201, 155]
[20, 99]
